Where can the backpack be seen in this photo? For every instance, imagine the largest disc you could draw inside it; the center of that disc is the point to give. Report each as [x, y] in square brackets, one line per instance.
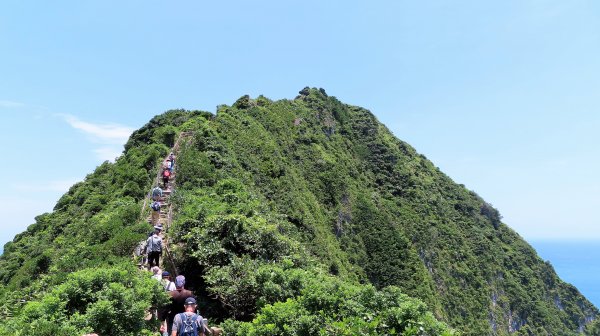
[189, 325]
[167, 284]
[155, 245]
[166, 173]
[155, 206]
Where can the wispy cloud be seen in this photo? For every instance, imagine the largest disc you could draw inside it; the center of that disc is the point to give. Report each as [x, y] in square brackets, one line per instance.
[110, 136]
[10, 104]
[108, 133]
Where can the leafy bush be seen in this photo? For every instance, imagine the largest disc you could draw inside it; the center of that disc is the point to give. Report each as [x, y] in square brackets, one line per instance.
[224, 237]
[109, 301]
[328, 306]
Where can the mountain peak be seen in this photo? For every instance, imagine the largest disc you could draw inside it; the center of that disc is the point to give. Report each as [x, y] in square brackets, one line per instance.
[304, 215]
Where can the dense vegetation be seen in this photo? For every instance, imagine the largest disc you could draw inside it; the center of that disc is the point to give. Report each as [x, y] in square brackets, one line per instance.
[294, 217]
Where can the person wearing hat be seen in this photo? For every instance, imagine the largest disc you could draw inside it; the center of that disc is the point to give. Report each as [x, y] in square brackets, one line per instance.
[154, 247]
[155, 273]
[189, 321]
[178, 297]
[166, 282]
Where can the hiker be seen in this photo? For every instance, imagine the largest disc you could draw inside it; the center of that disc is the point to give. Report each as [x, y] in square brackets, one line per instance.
[140, 252]
[158, 226]
[168, 285]
[151, 233]
[155, 212]
[172, 159]
[156, 273]
[189, 323]
[156, 193]
[178, 297]
[154, 247]
[165, 175]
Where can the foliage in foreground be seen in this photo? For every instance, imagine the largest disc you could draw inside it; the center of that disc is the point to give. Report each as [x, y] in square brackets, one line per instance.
[300, 302]
[108, 301]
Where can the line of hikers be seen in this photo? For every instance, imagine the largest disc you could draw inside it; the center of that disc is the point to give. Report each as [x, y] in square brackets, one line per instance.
[154, 243]
[167, 169]
[157, 192]
[179, 317]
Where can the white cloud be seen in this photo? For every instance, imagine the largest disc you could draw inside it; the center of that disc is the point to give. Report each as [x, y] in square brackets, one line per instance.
[108, 133]
[110, 136]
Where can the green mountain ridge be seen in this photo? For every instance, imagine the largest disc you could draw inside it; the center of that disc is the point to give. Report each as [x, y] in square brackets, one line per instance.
[293, 217]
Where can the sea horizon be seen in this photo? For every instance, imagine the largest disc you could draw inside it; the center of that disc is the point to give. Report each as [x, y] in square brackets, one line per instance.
[576, 262]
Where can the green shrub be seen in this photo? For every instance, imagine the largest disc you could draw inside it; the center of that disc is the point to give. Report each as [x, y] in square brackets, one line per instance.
[327, 306]
[223, 237]
[109, 301]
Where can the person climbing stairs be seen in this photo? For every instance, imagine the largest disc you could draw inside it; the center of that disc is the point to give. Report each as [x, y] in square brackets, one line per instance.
[160, 215]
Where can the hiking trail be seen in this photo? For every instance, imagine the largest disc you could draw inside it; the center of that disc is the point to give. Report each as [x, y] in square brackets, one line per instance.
[165, 217]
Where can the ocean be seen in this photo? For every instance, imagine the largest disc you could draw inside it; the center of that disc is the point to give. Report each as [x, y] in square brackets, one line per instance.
[576, 262]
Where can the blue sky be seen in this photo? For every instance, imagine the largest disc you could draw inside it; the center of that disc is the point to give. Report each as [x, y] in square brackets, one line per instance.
[502, 96]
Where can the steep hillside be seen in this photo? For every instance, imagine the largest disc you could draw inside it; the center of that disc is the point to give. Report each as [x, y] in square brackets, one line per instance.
[296, 217]
[72, 271]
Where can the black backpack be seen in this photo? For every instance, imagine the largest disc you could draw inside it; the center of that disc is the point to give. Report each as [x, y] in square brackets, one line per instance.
[189, 325]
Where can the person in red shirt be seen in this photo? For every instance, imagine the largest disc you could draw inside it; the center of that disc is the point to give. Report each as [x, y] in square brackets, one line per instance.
[165, 176]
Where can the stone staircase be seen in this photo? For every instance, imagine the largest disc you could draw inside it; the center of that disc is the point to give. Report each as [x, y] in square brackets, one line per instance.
[165, 216]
